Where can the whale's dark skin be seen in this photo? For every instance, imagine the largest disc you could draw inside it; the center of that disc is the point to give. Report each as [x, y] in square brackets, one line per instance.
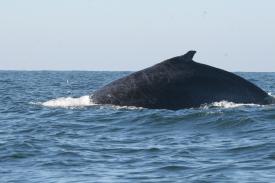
[179, 83]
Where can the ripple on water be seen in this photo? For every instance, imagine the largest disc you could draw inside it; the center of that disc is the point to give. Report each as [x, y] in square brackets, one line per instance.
[50, 131]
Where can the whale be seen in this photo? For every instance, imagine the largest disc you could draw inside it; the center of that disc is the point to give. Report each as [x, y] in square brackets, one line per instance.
[180, 83]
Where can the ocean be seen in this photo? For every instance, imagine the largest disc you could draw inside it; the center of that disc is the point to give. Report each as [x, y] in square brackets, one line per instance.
[51, 132]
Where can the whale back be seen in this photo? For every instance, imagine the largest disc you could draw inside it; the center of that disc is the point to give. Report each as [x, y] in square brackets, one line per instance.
[178, 83]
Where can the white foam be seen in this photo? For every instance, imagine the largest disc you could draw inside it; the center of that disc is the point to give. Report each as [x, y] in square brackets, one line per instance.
[66, 102]
[84, 101]
[226, 104]
[271, 94]
[126, 107]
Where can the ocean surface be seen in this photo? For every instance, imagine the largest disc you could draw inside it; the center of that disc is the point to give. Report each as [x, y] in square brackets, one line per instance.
[51, 132]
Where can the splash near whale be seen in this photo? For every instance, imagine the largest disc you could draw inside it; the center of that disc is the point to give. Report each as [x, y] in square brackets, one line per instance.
[179, 83]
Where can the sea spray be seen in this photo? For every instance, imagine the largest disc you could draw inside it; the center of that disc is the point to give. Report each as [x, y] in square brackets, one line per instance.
[65, 102]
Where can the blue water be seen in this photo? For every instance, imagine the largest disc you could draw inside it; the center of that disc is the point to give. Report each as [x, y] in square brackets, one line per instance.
[50, 132]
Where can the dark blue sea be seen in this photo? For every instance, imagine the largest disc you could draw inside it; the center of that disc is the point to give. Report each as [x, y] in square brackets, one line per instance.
[50, 132]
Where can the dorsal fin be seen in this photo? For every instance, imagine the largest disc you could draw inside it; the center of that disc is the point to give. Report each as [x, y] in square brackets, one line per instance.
[186, 58]
[189, 55]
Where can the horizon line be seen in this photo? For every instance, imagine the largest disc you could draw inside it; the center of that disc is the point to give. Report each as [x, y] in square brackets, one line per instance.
[79, 70]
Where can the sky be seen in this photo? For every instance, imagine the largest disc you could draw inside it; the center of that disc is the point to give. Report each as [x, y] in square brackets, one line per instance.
[119, 35]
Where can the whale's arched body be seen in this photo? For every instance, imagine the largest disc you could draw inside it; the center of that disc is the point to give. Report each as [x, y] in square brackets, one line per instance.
[179, 83]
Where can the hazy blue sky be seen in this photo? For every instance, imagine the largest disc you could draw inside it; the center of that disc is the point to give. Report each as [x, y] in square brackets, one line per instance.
[237, 35]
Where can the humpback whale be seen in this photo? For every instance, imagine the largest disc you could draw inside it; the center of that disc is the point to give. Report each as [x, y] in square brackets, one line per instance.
[179, 83]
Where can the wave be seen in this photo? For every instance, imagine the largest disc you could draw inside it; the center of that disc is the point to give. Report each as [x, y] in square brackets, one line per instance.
[272, 97]
[85, 101]
[66, 102]
[227, 105]
[271, 94]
